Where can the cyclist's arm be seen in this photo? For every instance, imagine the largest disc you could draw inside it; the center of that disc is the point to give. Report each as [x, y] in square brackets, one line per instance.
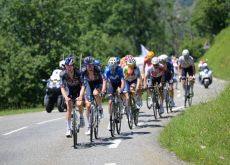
[82, 91]
[64, 93]
[194, 69]
[143, 69]
[104, 85]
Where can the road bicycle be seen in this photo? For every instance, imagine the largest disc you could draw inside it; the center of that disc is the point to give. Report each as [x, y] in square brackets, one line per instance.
[75, 125]
[168, 101]
[132, 112]
[148, 95]
[155, 101]
[116, 114]
[93, 118]
[188, 93]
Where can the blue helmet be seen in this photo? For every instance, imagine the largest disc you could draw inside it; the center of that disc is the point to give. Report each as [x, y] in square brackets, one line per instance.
[69, 61]
[88, 60]
[97, 62]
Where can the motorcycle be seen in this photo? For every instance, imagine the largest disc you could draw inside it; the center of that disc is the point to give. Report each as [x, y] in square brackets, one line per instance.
[205, 77]
[53, 92]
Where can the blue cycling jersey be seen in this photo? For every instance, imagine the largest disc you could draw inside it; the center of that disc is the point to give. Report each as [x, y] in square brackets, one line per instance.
[170, 68]
[114, 77]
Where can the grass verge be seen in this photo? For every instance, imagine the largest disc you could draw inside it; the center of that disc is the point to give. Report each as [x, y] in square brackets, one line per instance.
[19, 111]
[201, 134]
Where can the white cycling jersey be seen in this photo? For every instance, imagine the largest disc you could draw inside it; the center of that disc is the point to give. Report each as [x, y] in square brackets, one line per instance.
[185, 63]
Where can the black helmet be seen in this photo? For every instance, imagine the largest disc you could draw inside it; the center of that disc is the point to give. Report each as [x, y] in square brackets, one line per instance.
[88, 60]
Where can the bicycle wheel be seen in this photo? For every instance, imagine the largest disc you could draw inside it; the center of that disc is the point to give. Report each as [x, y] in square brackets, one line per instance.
[154, 105]
[96, 122]
[112, 119]
[91, 122]
[190, 97]
[167, 100]
[75, 128]
[136, 116]
[148, 99]
[118, 118]
[130, 114]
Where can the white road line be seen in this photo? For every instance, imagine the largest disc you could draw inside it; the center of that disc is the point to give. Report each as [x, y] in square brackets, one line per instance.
[115, 143]
[110, 163]
[15, 130]
[43, 122]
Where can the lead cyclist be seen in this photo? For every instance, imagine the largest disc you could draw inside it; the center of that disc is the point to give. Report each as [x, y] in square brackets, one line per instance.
[187, 66]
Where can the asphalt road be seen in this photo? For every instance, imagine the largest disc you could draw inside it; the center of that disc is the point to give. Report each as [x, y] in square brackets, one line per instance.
[39, 138]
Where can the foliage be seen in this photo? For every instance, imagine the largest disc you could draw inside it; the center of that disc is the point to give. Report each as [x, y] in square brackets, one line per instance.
[35, 35]
[211, 16]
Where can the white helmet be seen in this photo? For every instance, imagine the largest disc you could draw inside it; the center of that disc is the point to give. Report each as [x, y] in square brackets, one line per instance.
[205, 65]
[163, 58]
[185, 53]
[62, 64]
[112, 62]
[155, 60]
[131, 61]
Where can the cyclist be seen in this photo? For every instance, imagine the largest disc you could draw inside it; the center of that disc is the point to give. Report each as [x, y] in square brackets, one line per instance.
[147, 63]
[132, 79]
[113, 76]
[71, 91]
[156, 73]
[92, 79]
[186, 65]
[168, 76]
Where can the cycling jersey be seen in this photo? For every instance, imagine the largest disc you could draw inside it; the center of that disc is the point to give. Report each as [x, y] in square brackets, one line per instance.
[72, 86]
[90, 85]
[156, 72]
[130, 77]
[185, 63]
[115, 77]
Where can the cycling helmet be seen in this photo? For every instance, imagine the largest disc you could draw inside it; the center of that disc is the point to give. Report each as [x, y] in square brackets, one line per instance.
[163, 58]
[155, 61]
[127, 57]
[88, 60]
[112, 62]
[69, 61]
[97, 62]
[185, 53]
[131, 61]
[62, 64]
[150, 55]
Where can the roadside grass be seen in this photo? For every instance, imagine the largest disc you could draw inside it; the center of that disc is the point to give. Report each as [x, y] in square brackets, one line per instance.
[20, 111]
[219, 55]
[201, 134]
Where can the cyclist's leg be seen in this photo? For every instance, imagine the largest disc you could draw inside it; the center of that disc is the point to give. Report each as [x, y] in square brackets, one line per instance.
[126, 91]
[96, 93]
[79, 104]
[171, 89]
[88, 93]
[183, 78]
[69, 106]
[191, 80]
